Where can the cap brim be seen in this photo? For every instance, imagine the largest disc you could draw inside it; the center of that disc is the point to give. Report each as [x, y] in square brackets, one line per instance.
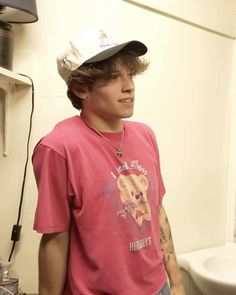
[136, 47]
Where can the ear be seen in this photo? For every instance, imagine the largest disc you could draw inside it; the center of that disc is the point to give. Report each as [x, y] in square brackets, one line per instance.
[78, 90]
[81, 95]
[121, 181]
[143, 181]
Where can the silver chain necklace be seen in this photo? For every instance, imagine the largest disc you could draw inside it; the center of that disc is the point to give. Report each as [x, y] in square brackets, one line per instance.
[118, 149]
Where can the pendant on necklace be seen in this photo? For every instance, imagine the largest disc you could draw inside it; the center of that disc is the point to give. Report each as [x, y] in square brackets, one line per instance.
[119, 153]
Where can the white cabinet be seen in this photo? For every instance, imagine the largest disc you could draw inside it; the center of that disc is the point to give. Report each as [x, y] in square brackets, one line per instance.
[10, 82]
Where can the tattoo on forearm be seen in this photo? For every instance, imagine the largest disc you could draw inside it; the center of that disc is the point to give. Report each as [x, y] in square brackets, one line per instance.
[166, 238]
[162, 236]
[169, 257]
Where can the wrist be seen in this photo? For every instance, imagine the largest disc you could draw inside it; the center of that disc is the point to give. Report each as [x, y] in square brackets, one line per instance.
[177, 289]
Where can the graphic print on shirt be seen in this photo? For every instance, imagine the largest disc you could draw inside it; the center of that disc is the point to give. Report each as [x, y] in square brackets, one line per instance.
[133, 195]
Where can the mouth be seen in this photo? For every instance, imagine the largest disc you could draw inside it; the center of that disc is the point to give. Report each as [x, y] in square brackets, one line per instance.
[127, 100]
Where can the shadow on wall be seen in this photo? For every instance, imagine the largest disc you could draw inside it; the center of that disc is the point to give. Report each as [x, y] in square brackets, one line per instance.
[189, 285]
[2, 116]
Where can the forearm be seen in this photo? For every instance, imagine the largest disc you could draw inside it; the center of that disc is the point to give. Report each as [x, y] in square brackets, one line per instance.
[170, 260]
[53, 252]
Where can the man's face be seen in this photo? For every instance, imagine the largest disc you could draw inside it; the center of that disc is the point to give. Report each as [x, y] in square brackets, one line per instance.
[111, 99]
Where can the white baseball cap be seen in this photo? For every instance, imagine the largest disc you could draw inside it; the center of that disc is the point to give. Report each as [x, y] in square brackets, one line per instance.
[92, 46]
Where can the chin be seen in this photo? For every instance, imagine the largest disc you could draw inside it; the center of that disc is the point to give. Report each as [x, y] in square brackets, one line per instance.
[127, 114]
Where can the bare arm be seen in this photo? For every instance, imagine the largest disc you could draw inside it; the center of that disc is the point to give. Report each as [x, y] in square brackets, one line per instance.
[53, 252]
[170, 261]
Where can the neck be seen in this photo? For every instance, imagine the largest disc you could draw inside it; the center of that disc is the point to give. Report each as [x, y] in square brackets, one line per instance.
[101, 124]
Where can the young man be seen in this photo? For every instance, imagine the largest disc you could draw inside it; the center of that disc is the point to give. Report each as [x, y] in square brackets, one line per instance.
[105, 231]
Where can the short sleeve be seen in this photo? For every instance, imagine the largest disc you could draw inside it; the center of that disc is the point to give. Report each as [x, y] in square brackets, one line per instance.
[161, 186]
[53, 211]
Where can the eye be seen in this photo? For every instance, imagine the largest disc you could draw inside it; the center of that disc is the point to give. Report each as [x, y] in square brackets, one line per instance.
[114, 75]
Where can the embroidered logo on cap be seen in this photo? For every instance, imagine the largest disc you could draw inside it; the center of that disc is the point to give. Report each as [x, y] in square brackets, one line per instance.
[105, 40]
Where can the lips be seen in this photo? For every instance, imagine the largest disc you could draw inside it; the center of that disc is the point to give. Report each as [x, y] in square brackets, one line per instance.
[126, 100]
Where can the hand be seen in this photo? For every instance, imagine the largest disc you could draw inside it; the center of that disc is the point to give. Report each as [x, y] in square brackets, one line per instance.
[177, 289]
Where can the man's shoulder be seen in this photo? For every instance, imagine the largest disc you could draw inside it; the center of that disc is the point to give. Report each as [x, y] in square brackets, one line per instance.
[68, 123]
[66, 127]
[63, 134]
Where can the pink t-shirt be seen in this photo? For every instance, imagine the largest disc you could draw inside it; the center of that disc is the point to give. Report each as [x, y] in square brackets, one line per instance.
[109, 205]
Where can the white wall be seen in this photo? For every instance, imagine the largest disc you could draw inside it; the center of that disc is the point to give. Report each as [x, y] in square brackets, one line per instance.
[216, 15]
[231, 226]
[185, 96]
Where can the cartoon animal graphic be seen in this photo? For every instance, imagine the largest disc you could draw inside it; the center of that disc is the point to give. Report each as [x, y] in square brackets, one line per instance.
[133, 194]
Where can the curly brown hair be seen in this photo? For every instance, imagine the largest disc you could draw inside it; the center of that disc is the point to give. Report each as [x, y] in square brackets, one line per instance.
[87, 74]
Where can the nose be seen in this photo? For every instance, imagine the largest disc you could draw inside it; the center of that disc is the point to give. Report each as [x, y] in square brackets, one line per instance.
[127, 83]
[137, 196]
